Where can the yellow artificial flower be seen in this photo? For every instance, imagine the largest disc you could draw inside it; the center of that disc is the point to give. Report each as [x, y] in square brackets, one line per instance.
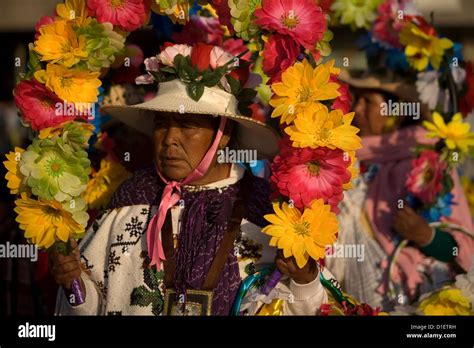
[104, 182]
[317, 126]
[74, 10]
[353, 169]
[71, 85]
[45, 222]
[301, 88]
[16, 180]
[446, 302]
[58, 43]
[456, 133]
[302, 235]
[422, 48]
[468, 186]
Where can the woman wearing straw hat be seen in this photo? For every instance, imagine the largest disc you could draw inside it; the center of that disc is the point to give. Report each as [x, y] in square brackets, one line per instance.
[179, 236]
[370, 215]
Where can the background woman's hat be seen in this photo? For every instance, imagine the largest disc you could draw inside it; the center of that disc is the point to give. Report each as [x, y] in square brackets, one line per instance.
[172, 97]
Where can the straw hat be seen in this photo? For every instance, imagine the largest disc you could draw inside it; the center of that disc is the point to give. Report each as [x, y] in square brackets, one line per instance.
[172, 97]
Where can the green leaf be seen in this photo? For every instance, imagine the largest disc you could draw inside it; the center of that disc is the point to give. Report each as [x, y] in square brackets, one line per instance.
[168, 69]
[140, 296]
[195, 90]
[234, 85]
[212, 78]
[187, 73]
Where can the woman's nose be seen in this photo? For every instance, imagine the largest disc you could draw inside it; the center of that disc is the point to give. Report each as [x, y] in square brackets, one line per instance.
[172, 135]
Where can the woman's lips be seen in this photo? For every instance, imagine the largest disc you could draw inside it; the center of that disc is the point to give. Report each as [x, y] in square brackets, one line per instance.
[170, 161]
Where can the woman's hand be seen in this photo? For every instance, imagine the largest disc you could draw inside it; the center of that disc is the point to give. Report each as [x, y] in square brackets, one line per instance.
[66, 268]
[287, 266]
[412, 226]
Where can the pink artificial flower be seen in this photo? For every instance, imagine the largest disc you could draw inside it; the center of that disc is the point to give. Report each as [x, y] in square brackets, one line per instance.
[128, 15]
[305, 174]
[424, 179]
[200, 29]
[389, 22]
[151, 64]
[236, 47]
[280, 52]
[38, 105]
[219, 57]
[302, 20]
[166, 56]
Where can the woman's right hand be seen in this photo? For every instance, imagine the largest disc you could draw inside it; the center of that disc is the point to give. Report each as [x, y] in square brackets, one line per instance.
[66, 268]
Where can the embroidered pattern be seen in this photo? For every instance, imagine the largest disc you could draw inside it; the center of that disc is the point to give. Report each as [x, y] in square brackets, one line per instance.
[247, 248]
[150, 294]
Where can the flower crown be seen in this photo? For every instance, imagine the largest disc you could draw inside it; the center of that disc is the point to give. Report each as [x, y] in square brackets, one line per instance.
[201, 66]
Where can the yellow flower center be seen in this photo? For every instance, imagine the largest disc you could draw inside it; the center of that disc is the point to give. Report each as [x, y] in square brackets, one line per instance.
[290, 21]
[304, 94]
[66, 82]
[301, 228]
[314, 168]
[116, 3]
[428, 176]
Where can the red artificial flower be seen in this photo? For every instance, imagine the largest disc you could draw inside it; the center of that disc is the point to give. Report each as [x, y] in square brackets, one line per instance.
[302, 20]
[201, 56]
[38, 105]
[305, 174]
[466, 103]
[200, 29]
[280, 52]
[325, 5]
[223, 13]
[424, 179]
[344, 101]
[128, 15]
[236, 47]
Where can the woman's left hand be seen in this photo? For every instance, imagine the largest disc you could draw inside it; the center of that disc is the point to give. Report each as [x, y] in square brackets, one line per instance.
[287, 266]
[412, 226]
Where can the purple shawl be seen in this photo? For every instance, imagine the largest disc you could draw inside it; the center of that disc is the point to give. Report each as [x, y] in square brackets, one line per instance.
[204, 221]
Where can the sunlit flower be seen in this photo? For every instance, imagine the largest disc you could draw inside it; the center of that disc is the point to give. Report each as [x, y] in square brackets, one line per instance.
[304, 175]
[16, 180]
[58, 43]
[302, 20]
[73, 10]
[45, 222]
[317, 126]
[456, 133]
[302, 88]
[446, 302]
[71, 85]
[422, 48]
[104, 182]
[302, 235]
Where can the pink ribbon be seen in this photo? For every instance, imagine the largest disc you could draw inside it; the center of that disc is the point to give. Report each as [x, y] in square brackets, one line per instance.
[171, 195]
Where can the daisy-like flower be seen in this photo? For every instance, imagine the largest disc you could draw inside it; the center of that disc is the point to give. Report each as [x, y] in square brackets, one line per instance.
[45, 222]
[302, 235]
[302, 88]
[71, 85]
[176, 10]
[422, 47]
[304, 175]
[16, 180]
[58, 43]
[128, 15]
[75, 11]
[315, 127]
[70, 136]
[424, 179]
[356, 13]
[456, 133]
[53, 174]
[104, 182]
[38, 105]
[303, 20]
[450, 301]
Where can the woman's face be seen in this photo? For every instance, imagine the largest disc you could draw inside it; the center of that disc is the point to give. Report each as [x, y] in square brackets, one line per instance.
[367, 106]
[181, 141]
